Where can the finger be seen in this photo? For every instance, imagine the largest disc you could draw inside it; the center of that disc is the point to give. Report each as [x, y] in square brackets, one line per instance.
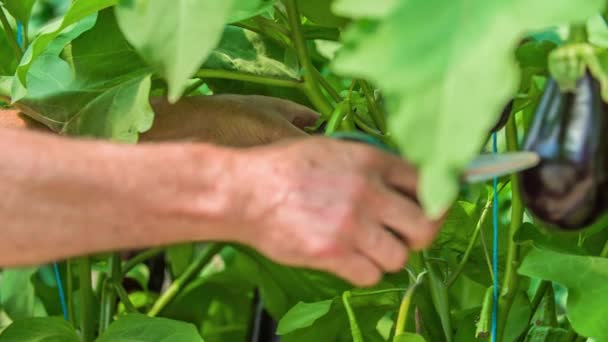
[299, 115]
[394, 171]
[406, 218]
[357, 269]
[382, 247]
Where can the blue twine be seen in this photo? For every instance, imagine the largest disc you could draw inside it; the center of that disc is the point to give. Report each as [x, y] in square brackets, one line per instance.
[495, 247]
[64, 306]
[20, 39]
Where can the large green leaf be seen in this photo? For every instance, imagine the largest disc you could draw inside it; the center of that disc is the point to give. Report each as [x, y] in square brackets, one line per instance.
[8, 62]
[17, 295]
[174, 37]
[247, 52]
[20, 9]
[447, 69]
[178, 257]
[587, 281]
[141, 328]
[47, 329]
[79, 10]
[223, 294]
[106, 96]
[327, 320]
[320, 12]
[244, 9]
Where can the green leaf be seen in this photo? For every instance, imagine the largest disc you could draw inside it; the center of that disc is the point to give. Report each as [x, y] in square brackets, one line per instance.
[587, 281]
[47, 329]
[179, 257]
[248, 52]
[79, 10]
[174, 37]
[303, 315]
[245, 9]
[107, 97]
[519, 316]
[546, 334]
[136, 328]
[17, 296]
[459, 73]
[409, 337]
[8, 62]
[20, 9]
[223, 293]
[320, 12]
[328, 321]
[556, 241]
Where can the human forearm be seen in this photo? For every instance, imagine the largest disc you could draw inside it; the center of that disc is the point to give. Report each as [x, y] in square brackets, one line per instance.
[70, 197]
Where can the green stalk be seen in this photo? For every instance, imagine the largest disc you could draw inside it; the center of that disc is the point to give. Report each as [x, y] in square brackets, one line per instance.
[538, 297]
[192, 271]
[439, 295]
[604, 253]
[108, 302]
[472, 241]
[377, 115]
[352, 319]
[86, 300]
[328, 87]
[578, 33]
[70, 291]
[311, 87]
[511, 279]
[139, 258]
[10, 35]
[124, 297]
[239, 76]
[550, 312]
[404, 307]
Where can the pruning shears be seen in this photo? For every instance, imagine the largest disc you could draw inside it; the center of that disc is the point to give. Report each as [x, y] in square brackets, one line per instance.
[485, 167]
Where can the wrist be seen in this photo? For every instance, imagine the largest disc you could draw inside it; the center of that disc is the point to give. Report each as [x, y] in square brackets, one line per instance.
[193, 197]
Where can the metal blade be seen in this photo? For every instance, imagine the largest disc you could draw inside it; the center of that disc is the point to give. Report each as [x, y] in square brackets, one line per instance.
[488, 166]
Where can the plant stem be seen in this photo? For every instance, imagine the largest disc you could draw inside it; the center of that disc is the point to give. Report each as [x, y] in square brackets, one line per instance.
[139, 258]
[604, 253]
[310, 86]
[193, 269]
[472, 242]
[70, 291]
[439, 295]
[10, 35]
[377, 115]
[376, 292]
[328, 87]
[108, 302]
[404, 307]
[352, 319]
[511, 279]
[550, 312]
[86, 299]
[124, 297]
[578, 33]
[239, 76]
[538, 297]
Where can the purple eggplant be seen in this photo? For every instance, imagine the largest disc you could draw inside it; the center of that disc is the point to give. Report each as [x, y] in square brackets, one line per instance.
[564, 190]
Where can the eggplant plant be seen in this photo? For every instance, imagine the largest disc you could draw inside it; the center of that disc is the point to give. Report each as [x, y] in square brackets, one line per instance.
[430, 79]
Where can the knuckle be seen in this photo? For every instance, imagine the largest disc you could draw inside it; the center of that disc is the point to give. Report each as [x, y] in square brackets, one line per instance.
[326, 249]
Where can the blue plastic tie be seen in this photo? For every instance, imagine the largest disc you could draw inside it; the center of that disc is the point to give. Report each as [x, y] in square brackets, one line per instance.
[64, 306]
[495, 247]
[20, 34]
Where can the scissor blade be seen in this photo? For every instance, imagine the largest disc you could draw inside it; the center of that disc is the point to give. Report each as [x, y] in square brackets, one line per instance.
[488, 166]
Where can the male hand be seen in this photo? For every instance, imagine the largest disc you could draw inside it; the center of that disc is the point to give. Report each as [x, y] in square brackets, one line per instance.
[341, 207]
[229, 120]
